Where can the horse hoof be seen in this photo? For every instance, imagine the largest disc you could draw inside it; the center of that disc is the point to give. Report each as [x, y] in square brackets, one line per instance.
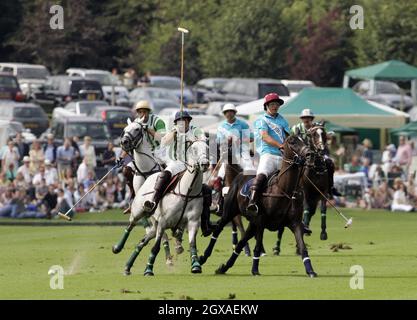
[277, 252]
[248, 254]
[256, 273]
[116, 249]
[196, 270]
[127, 273]
[221, 269]
[312, 274]
[169, 262]
[323, 236]
[148, 274]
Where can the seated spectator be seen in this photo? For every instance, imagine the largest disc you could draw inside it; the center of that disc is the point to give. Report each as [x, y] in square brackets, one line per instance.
[20, 182]
[109, 157]
[11, 172]
[400, 201]
[41, 189]
[69, 192]
[49, 201]
[378, 176]
[83, 205]
[15, 206]
[396, 172]
[62, 205]
[51, 174]
[25, 170]
[68, 178]
[82, 171]
[10, 155]
[354, 166]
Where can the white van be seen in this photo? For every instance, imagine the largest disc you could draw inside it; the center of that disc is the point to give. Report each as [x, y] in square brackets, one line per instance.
[29, 76]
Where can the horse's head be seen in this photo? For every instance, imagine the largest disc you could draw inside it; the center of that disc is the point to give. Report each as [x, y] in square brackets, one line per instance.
[132, 136]
[318, 137]
[197, 156]
[295, 149]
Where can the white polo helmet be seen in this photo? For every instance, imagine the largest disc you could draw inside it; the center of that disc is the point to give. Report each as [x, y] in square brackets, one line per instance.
[143, 104]
[307, 113]
[229, 107]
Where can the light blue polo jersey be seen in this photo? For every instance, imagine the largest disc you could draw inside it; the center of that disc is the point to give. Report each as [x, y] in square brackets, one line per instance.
[239, 129]
[276, 129]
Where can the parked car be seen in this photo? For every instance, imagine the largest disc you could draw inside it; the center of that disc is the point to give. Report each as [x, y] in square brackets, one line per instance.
[10, 89]
[204, 86]
[173, 84]
[81, 126]
[158, 98]
[78, 108]
[241, 90]
[9, 129]
[59, 90]
[295, 86]
[30, 115]
[200, 119]
[108, 83]
[114, 117]
[30, 76]
[387, 92]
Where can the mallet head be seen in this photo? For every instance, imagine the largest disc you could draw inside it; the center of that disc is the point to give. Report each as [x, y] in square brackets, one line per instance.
[64, 216]
[183, 30]
[348, 223]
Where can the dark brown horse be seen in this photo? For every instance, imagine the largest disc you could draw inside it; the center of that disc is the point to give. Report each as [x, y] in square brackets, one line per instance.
[315, 182]
[281, 205]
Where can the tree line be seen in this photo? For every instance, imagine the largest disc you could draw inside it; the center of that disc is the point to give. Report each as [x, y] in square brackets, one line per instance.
[302, 39]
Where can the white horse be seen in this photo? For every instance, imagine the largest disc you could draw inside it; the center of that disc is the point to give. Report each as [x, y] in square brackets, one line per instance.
[178, 209]
[134, 141]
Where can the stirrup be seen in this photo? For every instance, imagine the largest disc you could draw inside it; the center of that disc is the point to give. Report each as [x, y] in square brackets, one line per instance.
[149, 206]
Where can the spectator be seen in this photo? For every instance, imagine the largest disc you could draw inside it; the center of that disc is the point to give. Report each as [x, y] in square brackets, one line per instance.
[41, 189]
[37, 179]
[51, 174]
[50, 201]
[69, 192]
[36, 156]
[400, 202]
[388, 158]
[21, 146]
[50, 149]
[10, 155]
[20, 182]
[15, 206]
[68, 178]
[354, 166]
[109, 157]
[378, 177]
[65, 156]
[25, 170]
[403, 156]
[62, 204]
[88, 152]
[367, 152]
[11, 172]
[365, 169]
[83, 205]
[396, 172]
[82, 172]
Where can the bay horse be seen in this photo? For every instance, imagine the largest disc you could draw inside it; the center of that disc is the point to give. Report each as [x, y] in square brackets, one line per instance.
[315, 182]
[281, 205]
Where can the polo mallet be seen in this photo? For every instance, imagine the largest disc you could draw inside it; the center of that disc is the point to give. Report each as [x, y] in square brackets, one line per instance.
[183, 32]
[65, 216]
[348, 221]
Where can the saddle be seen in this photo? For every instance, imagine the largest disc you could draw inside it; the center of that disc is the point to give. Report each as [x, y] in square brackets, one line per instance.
[246, 188]
[173, 183]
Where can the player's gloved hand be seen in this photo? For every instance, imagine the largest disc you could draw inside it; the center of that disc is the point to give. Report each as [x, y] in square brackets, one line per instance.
[119, 162]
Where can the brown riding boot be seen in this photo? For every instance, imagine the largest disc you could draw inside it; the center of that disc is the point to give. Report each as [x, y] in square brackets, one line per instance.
[256, 189]
[129, 174]
[206, 227]
[330, 171]
[160, 185]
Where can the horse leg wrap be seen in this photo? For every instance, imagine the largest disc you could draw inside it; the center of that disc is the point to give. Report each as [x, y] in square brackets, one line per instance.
[307, 263]
[232, 259]
[167, 250]
[122, 241]
[234, 238]
[307, 218]
[255, 264]
[133, 257]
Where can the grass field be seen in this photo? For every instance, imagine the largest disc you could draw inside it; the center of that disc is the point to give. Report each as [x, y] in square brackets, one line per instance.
[383, 243]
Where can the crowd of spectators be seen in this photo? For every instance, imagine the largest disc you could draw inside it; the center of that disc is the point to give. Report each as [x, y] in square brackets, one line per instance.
[388, 182]
[42, 179]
